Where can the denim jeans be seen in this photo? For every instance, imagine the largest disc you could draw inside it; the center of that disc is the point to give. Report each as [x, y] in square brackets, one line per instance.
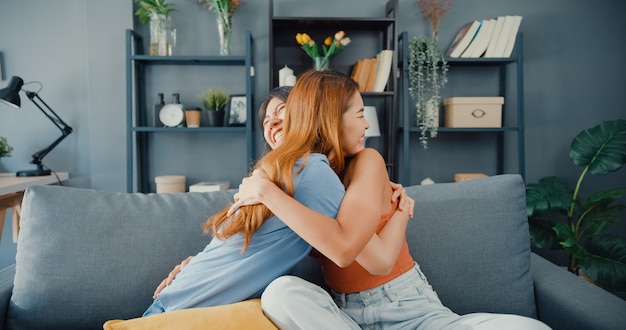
[406, 302]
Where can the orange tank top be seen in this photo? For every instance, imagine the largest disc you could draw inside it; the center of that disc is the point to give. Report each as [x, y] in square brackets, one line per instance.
[355, 278]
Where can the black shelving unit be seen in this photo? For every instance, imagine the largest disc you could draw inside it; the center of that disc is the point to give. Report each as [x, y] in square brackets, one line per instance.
[368, 37]
[139, 132]
[408, 130]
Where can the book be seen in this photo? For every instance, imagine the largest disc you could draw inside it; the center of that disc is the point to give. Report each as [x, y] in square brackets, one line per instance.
[482, 43]
[462, 39]
[478, 45]
[507, 26]
[491, 47]
[384, 68]
[373, 68]
[510, 42]
[356, 70]
[206, 186]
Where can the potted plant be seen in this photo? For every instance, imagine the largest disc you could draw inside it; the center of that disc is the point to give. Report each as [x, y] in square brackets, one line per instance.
[428, 70]
[214, 101]
[5, 148]
[157, 13]
[559, 218]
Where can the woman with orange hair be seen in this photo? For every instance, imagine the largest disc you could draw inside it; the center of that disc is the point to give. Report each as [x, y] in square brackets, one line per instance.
[365, 259]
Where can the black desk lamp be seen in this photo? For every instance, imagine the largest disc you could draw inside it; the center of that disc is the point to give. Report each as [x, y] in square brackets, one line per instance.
[10, 95]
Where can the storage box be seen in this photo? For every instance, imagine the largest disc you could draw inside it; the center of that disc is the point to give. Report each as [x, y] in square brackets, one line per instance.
[473, 111]
[170, 184]
[205, 186]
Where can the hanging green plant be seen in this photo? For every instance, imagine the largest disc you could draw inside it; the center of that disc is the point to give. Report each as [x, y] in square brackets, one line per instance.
[427, 74]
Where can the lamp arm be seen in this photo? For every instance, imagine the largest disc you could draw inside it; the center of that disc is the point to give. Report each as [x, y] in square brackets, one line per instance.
[56, 120]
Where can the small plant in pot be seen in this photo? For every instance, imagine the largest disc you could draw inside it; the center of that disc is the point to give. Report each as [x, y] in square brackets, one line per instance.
[5, 148]
[558, 218]
[214, 101]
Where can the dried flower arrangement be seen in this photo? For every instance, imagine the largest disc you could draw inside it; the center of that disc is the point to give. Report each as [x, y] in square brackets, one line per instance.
[433, 10]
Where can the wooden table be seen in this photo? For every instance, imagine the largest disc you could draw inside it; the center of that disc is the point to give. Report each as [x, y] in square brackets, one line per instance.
[11, 193]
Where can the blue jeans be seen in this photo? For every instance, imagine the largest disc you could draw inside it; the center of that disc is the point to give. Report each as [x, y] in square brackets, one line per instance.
[155, 308]
[406, 302]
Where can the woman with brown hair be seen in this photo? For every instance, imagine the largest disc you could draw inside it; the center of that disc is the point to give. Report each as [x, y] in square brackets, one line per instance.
[253, 247]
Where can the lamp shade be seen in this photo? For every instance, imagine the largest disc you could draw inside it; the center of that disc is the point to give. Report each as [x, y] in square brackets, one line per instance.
[372, 118]
[10, 94]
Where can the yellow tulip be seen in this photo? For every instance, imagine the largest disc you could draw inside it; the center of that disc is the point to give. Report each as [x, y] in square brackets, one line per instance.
[305, 38]
[328, 41]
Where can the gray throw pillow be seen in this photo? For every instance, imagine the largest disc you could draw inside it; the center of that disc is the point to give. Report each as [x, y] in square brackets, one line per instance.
[86, 256]
[471, 240]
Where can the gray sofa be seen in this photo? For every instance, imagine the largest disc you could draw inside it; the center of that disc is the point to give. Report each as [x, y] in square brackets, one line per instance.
[87, 256]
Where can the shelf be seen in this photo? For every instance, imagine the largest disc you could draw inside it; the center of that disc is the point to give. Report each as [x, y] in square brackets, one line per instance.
[144, 142]
[191, 60]
[415, 129]
[237, 129]
[368, 35]
[335, 24]
[510, 111]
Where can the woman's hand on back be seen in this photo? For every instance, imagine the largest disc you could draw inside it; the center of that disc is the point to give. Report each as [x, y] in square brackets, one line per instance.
[250, 190]
[405, 202]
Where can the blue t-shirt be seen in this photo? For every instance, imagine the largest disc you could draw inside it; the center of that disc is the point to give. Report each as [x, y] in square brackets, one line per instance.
[221, 274]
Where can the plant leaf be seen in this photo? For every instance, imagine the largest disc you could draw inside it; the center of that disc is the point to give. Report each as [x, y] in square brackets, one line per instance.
[607, 261]
[569, 241]
[602, 148]
[547, 196]
[599, 219]
[541, 233]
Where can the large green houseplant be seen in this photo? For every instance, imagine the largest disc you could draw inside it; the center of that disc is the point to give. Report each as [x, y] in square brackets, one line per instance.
[559, 218]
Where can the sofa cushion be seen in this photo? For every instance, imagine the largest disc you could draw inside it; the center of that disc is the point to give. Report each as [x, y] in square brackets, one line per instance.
[477, 256]
[86, 256]
[242, 315]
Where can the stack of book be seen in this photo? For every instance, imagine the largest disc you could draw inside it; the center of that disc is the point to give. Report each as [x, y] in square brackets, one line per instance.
[491, 37]
[372, 74]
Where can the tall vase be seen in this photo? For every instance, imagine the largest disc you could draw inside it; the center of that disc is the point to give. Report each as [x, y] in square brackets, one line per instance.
[320, 63]
[159, 27]
[223, 29]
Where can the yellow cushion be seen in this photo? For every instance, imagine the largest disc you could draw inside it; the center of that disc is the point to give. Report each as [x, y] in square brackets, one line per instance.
[242, 315]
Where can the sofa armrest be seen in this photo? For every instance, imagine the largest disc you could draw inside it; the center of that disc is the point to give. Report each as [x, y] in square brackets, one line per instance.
[6, 289]
[565, 301]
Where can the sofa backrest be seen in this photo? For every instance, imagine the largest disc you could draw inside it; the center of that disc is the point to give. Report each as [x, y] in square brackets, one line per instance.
[471, 240]
[87, 256]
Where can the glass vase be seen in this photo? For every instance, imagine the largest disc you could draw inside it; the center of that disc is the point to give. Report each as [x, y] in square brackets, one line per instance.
[159, 30]
[223, 29]
[320, 63]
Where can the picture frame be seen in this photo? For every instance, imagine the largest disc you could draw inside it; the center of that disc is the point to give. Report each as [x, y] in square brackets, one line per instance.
[238, 110]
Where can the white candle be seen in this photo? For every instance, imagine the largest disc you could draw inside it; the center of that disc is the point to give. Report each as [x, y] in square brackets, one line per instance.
[283, 74]
[290, 80]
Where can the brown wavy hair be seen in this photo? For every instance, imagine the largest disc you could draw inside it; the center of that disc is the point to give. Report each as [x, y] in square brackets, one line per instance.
[312, 124]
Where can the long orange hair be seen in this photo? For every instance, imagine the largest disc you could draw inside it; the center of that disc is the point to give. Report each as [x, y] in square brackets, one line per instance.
[312, 124]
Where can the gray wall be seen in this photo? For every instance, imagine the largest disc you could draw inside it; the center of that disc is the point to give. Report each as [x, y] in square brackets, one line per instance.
[573, 75]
